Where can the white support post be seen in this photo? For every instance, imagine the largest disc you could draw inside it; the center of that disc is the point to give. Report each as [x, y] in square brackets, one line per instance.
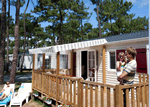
[36, 59]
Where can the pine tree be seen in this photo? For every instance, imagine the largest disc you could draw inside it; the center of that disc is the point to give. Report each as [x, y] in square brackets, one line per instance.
[2, 40]
[16, 48]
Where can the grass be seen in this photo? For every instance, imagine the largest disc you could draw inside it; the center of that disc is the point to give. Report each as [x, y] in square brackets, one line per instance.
[25, 72]
[40, 102]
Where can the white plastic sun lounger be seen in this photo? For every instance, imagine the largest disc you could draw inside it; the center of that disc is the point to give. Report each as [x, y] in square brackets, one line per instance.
[23, 94]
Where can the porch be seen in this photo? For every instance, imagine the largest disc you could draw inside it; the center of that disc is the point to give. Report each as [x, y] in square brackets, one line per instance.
[65, 88]
[69, 90]
[80, 93]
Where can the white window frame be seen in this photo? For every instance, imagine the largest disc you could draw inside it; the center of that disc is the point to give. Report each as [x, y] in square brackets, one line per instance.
[108, 59]
[66, 57]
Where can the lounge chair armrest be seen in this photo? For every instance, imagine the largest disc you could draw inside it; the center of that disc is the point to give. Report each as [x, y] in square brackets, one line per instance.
[15, 93]
[12, 95]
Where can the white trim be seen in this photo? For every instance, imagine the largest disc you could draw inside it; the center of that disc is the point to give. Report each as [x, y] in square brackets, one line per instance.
[70, 46]
[147, 54]
[108, 59]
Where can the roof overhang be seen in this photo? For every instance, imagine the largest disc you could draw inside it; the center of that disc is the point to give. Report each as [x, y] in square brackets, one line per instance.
[128, 41]
[66, 47]
[80, 45]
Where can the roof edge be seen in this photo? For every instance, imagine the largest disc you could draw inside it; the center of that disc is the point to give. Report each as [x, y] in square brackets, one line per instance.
[129, 40]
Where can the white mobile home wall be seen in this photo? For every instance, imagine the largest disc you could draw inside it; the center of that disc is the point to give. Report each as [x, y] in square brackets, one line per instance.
[110, 74]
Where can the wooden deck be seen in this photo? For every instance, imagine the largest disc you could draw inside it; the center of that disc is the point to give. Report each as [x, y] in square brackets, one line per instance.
[81, 93]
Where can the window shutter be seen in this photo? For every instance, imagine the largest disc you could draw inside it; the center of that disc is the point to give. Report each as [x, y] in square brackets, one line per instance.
[141, 60]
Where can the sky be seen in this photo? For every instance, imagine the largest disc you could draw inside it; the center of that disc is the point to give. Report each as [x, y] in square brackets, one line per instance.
[140, 8]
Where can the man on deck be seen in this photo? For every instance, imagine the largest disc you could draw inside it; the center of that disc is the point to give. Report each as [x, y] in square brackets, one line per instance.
[129, 69]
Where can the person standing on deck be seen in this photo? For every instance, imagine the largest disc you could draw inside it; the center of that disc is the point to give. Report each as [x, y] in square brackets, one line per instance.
[129, 70]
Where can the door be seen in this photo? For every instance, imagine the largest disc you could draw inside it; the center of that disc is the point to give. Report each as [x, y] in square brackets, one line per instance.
[74, 64]
[91, 65]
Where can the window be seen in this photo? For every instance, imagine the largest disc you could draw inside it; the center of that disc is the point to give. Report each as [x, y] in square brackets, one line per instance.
[48, 62]
[112, 60]
[63, 61]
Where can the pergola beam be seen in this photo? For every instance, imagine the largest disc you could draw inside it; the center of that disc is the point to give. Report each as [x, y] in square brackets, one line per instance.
[57, 73]
[104, 68]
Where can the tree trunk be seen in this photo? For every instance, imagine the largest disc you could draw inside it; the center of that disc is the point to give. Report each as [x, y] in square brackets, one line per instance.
[73, 37]
[2, 41]
[7, 67]
[53, 35]
[16, 48]
[59, 40]
[111, 26]
[82, 29]
[98, 23]
[24, 45]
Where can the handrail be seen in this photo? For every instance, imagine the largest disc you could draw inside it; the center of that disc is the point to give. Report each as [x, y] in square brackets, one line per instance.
[97, 83]
[134, 85]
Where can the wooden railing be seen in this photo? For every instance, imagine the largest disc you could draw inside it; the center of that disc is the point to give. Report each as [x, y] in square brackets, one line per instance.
[65, 71]
[93, 95]
[133, 98]
[143, 77]
[68, 92]
[80, 93]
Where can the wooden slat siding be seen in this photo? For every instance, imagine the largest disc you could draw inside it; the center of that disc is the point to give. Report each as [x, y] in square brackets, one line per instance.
[138, 96]
[96, 96]
[64, 91]
[91, 95]
[102, 96]
[144, 78]
[122, 101]
[79, 93]
[132, 98]
[118, 96]
[140, 88]
[74, 93]
[86, 95]
[143, 96]
[48, 82]
[58, 90]
[71, 91]
[108, 97]
[114, 91]
[127, 97]
[45, 85]
[38, 81]
[147, 94]
[51, 86]
[147, 78]
[61, 90]
[104, 68]
[81, 99]
[67, 91]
